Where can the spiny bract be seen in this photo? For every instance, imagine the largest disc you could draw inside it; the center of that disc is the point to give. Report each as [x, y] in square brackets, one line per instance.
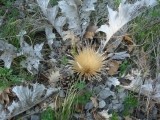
[89, 63]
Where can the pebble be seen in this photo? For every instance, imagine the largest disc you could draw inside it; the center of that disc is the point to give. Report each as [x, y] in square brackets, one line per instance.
[121, 90]
[105, 93]
[110, 106]
[102, 104]
[115, 101]
[32, 112]
[89, 106]
[114, 97]
[37, 109]
[35, 117]
[28, 111]
[62, 94]
[24, 119]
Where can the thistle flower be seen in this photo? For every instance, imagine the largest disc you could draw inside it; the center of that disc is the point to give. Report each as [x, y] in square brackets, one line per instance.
[89, 63]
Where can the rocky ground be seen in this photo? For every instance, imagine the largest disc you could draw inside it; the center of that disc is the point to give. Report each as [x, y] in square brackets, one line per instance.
[127, 89]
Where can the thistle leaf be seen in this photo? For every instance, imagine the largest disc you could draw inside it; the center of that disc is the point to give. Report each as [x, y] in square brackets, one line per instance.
[9, 53]
[126, 12]
[33, 55]
[28, 97]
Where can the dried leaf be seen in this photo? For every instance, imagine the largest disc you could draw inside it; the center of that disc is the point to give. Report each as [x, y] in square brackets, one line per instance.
[89, 35]
[105, 114]
[98, 116]
[90, 32]
[113, 67]
[127, 118]
[4, 96]
[79, 107]
[94, 101]
[131, 45]
[54, 76]
[111, 48]
[70, 35]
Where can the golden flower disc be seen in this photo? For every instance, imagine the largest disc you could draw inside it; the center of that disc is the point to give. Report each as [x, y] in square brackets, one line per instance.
[88, 62]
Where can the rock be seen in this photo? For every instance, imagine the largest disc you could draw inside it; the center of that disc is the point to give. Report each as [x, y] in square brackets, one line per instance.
[154, 112]
[114, 97]
[97, 89]
[78, 116]
[28, 111]
[110, 106]
[56, 44]
[32, 112]
[89, 105]
[118, 107]
[89, 116]
[62, 94]
[102, 104]
[37, 109]
[105, 93]
[122, 95]
[24, 119]
[35, 117]
[120, 118]
[121, 90]
[115, 101]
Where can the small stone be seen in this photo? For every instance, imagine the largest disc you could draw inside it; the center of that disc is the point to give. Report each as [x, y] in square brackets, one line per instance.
[56, 44]
[35, 117]
[97, 89]
[118, 107]
[115, 101]
[32, 112]
[28, 111]
[37, 109]
[122, 95]
[114, 97]
[89, 116]
[154, 112]
[121, 90]
[89, 106]
[105, 93]
[24, 119]
[110, 106]
[102, 104]
[62, 94]
[120, 118]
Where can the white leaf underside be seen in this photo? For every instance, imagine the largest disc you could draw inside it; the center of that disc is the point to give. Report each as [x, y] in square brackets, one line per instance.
[33, 55]
[9, 53]
[51, 13]
[28, 97]
[148, 88]
[125, 13]
[78, 18]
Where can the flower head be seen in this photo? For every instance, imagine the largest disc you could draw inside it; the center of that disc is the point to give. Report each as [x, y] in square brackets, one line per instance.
[88, 63]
